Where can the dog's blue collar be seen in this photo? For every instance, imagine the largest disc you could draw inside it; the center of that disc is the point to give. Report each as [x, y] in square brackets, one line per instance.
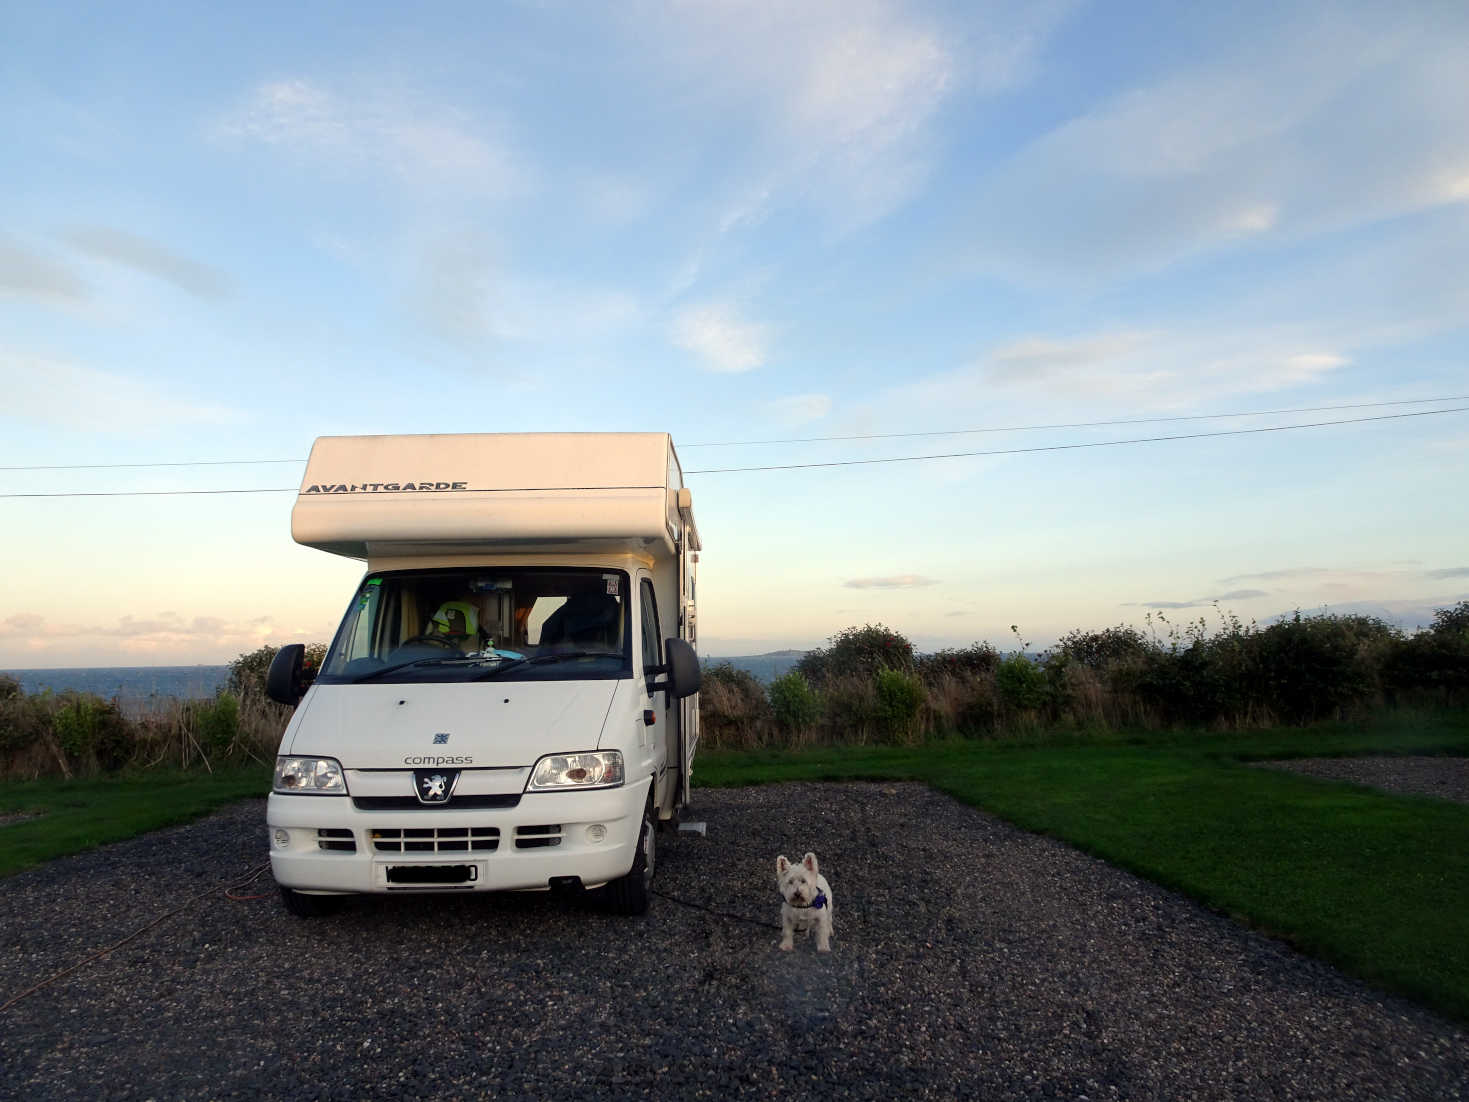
[815, 904]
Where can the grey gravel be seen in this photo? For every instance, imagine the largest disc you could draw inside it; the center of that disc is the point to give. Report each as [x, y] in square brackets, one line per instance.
[971, 960]
[1444, 778]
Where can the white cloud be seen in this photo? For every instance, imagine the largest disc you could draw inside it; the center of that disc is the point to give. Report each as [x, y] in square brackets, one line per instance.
[1334, 121]
[159, 637]
[1200, 602]
[893, 581]
[798, 409]
[721, 340]
[1288, 574]
[1156, 368]
[25, 274]
[1137, 368]
[389, 130]
[465, 295]
[145, 256]
[87, 400]
[1032, 360]
[1122, 374]
[842, 95]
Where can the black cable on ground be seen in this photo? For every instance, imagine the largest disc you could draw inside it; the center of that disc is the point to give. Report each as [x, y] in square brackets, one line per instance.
[226, 887]
[711, 910]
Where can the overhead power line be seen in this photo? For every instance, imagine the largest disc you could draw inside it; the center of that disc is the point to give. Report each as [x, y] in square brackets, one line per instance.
[138, 466]
[1073, 447]
[1086, 444]
[846, 462]
[818, 439]
[1073, 424]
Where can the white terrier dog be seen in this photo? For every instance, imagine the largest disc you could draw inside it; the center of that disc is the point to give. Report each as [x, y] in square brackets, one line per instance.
[807, 902]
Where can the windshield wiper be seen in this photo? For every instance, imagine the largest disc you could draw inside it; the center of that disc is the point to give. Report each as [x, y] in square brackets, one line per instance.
[505, 664]
[436, 660]
[545, 660]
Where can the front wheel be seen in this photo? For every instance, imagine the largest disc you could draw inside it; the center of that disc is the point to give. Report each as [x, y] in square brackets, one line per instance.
[309, 906]
[629, 895]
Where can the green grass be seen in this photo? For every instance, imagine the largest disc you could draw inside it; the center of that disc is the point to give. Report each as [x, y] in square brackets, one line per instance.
[78, 815]
[1376, 884]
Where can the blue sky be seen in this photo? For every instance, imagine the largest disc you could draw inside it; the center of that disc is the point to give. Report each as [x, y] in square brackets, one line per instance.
[227, 231]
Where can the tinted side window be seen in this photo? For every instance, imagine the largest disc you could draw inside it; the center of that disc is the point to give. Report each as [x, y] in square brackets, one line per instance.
[652, 640]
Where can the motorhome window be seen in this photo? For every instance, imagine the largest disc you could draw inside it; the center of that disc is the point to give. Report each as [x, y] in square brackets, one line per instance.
[652, 648]
[538, 623]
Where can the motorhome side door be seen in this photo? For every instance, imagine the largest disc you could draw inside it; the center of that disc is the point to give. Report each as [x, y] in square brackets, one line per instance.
[652, 634]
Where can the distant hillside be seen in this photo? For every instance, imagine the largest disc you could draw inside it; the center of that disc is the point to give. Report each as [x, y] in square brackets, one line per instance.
[765, 667]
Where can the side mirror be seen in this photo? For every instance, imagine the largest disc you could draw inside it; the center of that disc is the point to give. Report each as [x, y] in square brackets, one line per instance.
[684, 674]
[283, 683]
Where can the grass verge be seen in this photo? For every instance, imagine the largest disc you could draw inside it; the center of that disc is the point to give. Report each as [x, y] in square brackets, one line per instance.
[68, 817]
[1374, 883]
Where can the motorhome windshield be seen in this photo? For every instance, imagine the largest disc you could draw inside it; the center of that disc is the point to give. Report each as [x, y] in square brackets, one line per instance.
[520, 623]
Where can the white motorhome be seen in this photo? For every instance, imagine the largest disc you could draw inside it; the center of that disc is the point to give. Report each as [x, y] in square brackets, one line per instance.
[509, 702]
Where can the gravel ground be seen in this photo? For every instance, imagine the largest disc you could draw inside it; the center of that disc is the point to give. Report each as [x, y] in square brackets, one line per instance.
[971, 960]
[1443, 777]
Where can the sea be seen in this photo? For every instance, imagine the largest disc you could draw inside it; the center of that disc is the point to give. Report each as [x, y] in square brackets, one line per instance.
[128, 683]
[140, 684]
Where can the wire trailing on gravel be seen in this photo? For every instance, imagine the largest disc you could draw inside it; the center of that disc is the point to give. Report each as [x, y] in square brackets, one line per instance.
[711, 910]
[227, 887]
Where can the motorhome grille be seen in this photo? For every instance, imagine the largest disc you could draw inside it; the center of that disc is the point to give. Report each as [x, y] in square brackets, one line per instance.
[455, 803]
[436, 839]
[536, 837]
[338, 841]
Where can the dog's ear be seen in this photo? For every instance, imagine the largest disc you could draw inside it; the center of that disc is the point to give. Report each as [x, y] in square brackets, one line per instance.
[810, 862]
[781, 864]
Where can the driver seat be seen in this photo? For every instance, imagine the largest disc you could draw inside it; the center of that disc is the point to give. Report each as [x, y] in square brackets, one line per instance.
[592, 620]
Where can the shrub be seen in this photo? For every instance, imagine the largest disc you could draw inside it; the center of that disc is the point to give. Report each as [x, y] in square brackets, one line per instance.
[1314, 666]
[796, 705]
[117, 738]
[857, 651]
[92, 732]
[1096, 650]
[9, 687]
[733, 709]
[850, 708]
[977, 658]
[24, 721]
[248, 671]
[1021, 684]
[900, 699]
[1436, 660]
[75, 724]
[1452, 624]
[977, 705]
[218, 723]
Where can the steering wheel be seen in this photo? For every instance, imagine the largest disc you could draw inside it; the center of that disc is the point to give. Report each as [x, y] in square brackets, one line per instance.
[437, 640]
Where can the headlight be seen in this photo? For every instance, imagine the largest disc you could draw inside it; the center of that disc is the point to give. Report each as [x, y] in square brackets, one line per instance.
[312, 776]
[594, 769]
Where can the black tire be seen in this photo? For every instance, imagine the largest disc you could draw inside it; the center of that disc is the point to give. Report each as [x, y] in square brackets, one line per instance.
[309, 906]
[630, 894]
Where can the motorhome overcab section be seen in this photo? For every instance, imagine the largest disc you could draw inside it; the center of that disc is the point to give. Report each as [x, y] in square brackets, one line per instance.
[509, 700]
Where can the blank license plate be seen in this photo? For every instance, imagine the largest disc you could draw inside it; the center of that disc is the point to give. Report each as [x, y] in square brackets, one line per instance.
[432, 874]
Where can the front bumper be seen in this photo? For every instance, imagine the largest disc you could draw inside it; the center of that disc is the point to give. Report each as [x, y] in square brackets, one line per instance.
[334, 847]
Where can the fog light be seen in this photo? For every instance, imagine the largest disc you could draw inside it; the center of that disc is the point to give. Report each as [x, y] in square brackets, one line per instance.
[596, 832]
[282, 838]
